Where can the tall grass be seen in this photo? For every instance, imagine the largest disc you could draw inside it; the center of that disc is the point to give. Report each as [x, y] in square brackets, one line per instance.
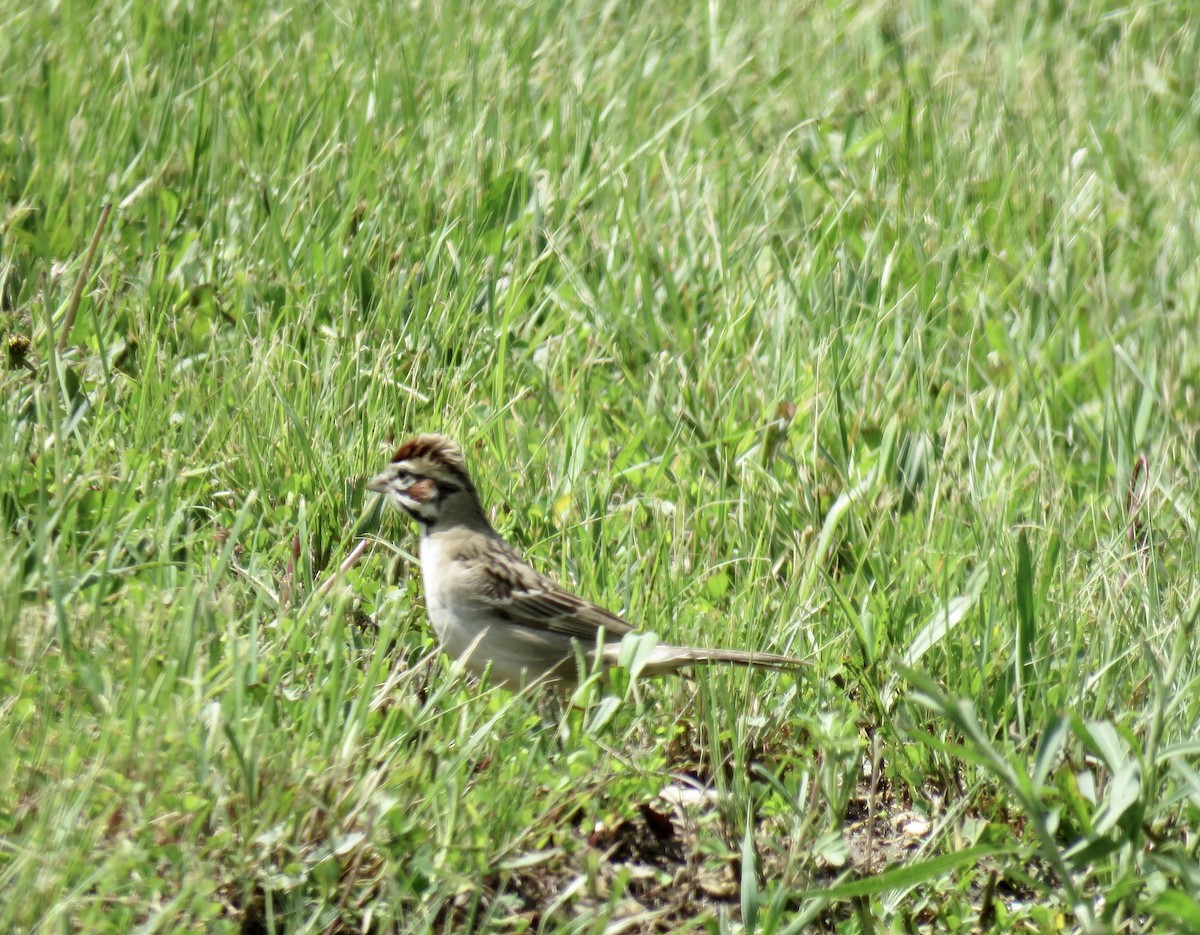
[865, 333]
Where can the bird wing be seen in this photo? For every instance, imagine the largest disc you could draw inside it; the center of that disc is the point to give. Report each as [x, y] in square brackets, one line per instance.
[511, 589]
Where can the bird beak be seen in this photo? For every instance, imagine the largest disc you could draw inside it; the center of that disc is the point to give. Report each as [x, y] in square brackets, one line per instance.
[378, 483]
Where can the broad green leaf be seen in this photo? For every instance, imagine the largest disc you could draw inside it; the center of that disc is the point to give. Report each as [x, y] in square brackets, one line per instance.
[907, 876]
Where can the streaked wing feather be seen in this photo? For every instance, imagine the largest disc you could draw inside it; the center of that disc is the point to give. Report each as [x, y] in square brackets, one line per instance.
[511, 587]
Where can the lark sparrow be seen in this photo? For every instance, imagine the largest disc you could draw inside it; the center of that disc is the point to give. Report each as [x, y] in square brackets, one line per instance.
[488, 607]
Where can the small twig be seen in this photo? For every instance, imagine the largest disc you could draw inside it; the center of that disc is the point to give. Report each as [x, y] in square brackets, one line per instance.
[289, 576]
[1135, 500]
[84, 272]
[873, 796]
[350, 561]
[987, 905]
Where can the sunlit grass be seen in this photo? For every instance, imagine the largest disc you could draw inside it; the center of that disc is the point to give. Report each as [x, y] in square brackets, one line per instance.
[833, 331]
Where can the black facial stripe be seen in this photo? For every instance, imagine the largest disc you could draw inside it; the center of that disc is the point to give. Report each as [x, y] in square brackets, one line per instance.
[438, 474]
[421, 512]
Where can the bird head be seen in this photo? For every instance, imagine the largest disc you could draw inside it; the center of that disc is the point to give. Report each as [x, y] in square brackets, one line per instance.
[427, 478]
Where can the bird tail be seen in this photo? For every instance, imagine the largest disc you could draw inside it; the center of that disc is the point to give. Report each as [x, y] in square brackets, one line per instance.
[664, 659]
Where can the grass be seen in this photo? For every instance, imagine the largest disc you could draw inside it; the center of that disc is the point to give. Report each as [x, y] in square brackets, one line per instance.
[866, 333]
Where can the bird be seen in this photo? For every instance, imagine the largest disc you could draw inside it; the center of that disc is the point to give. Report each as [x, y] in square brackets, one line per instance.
[490, 608]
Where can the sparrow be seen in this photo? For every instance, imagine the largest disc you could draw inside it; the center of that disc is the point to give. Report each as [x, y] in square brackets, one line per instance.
[489, 608]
